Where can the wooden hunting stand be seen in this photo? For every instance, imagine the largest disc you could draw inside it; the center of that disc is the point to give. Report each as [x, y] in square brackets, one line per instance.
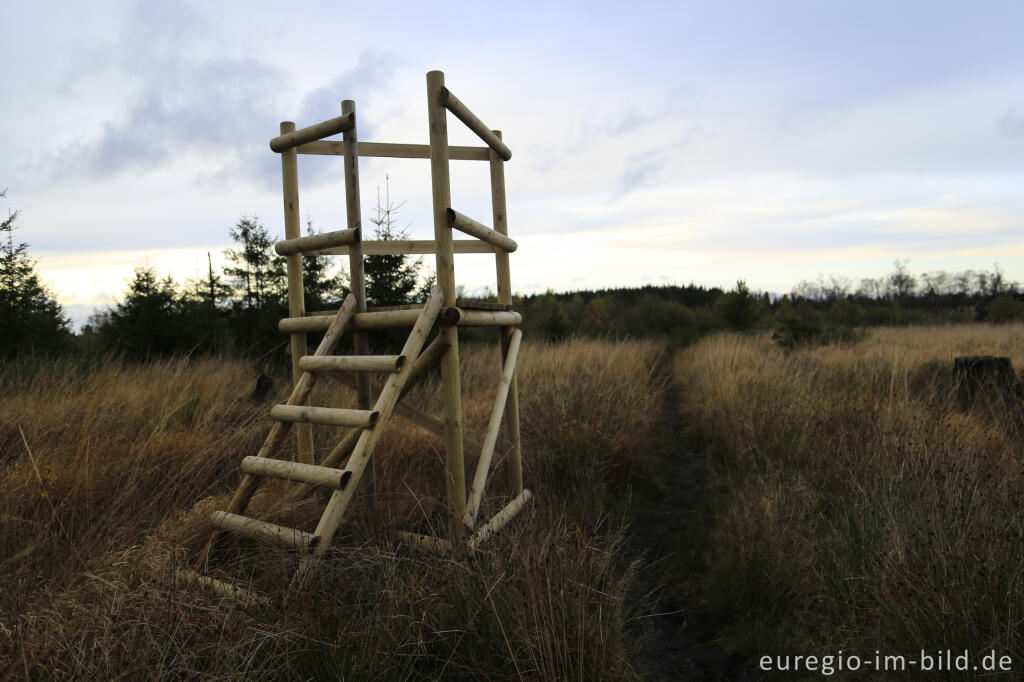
[442, 310]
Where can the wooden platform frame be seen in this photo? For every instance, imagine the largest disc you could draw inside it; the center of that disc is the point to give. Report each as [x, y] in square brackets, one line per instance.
[442, 311]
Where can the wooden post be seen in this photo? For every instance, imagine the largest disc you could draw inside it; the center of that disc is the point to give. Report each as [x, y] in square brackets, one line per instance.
[296, 304]
[354, 217]
[514, 468]
[455, 474]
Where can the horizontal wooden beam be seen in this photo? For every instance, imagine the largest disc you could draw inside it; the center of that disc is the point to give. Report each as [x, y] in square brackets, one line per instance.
[450, 102]
[443, 546]
[500, 520]
[292, 471]
[391, 319]
[316, 131]
[316, 242]
[329, 416]
[488, 318]
[270, 533]
[392, 150]
[460, 303]
[402, 247]
[351, 363]
[427, 542]
[480, 231]
[222, 588]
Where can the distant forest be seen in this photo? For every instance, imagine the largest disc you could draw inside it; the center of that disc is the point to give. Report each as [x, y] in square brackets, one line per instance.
[236, 309]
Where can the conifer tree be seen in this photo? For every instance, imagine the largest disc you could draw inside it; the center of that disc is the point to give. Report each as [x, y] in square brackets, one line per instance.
[257, 275]
[392, 280]
[31, 319]
[324, 282]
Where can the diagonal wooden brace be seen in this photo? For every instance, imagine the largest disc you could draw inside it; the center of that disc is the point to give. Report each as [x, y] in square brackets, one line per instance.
[483, 466]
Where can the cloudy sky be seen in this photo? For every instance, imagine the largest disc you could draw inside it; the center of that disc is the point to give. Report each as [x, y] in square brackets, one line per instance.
[652, 143]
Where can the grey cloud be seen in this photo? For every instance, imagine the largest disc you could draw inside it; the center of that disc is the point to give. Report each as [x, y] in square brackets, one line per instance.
[626, 123]
[373, 73]
[1012, 123]
[644, 167]
[223, 109]
[641, 168]
[369, 76]
[213, 108]
[593, 128]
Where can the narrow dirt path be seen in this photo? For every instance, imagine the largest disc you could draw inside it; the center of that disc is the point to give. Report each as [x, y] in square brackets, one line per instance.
[670, 650]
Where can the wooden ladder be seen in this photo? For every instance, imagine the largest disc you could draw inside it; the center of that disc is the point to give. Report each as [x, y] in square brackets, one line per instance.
[358, 445]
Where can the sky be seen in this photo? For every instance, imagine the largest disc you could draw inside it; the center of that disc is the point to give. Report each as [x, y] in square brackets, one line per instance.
[652, 143]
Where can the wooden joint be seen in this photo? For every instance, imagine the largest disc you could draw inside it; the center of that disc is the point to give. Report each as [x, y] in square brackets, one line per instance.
[316, 242]
[480, 231]
[317, 131]
[450, 102]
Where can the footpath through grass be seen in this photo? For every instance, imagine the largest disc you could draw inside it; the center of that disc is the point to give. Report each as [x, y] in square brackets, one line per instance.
[854, 501]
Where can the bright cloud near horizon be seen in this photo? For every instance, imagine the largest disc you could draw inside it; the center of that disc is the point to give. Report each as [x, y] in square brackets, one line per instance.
[653, 143]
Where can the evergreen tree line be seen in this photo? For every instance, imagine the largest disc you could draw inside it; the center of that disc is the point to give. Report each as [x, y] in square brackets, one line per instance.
[828, 308]
[236, 309]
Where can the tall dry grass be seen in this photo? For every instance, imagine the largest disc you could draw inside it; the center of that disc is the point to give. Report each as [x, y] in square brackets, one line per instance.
[855, 501]
[108, 473]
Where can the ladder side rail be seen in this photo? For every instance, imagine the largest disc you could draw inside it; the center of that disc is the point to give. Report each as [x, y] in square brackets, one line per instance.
[356, 266]
[360, 457]
[247, 487]
[293, 264]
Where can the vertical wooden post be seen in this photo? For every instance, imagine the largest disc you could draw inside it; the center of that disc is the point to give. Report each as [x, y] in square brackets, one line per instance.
[296, 305]
[514, 467]
[354, 217]
[455, 473]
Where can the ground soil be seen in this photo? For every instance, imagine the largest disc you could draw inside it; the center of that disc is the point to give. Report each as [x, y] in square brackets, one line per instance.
[670, 646]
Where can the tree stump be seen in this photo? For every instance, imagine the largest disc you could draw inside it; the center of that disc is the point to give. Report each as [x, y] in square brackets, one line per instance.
[974, 374]
[264, 385]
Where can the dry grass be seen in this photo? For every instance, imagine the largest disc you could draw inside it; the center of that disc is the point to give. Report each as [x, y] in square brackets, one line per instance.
[855, 502]
[109, 472]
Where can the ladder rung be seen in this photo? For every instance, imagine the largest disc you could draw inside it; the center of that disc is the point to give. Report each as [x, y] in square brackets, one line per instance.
[351, 363]
[223, 589]
[293, 471]
[332, 416]
[270, 533]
